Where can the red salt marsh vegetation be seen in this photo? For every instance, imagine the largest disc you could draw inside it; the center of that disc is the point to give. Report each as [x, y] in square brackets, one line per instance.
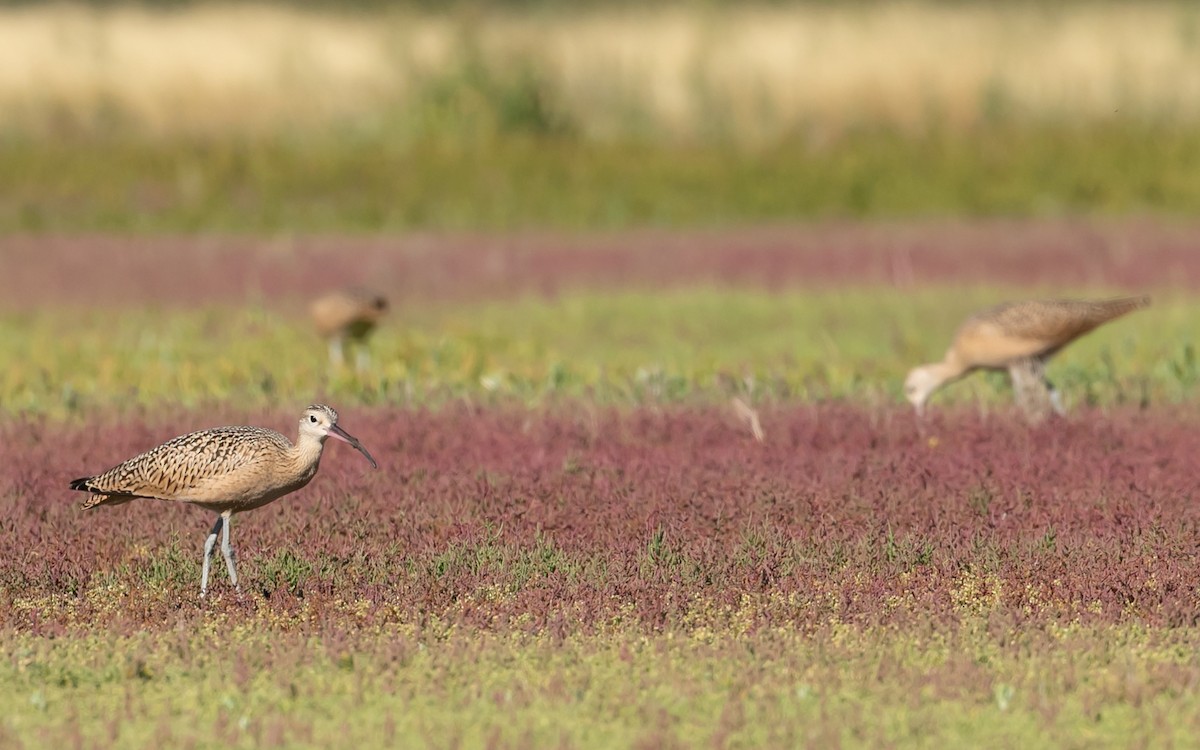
[565, 519]
[186, 271]
[583, 577]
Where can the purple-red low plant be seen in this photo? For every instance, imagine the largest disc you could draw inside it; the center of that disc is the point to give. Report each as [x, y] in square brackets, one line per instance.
[190, 271]
[565, 519]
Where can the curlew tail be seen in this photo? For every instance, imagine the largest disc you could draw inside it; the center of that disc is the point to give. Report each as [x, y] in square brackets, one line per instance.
[98, 496]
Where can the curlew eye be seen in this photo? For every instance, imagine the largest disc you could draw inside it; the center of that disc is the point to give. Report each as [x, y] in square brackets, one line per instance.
[312, 418]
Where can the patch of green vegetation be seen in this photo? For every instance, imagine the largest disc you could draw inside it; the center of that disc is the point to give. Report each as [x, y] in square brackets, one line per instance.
[625, 348]
[263, 682]
[528, 170]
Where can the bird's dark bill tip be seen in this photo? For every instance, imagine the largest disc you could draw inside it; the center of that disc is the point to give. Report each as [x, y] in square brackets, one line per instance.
[346, 437]
[359, 447]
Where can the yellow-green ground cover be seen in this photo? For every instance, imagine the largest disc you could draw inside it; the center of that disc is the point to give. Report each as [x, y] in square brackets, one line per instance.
[626, 347]
[252, 681]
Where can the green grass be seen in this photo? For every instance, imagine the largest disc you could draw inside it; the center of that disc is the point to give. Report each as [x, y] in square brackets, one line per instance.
[264, 682]
[376, 179]
[623, 348]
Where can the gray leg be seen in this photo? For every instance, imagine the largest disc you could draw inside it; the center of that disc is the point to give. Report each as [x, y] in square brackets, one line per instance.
[336, 355]
[1033, 392]
[227, 551]
[208, 550]
[362, 359]
[1056, 400]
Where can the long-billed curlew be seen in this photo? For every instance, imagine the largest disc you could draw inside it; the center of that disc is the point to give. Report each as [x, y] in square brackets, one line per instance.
[1019, 337]
[348, 315]
[224, 469]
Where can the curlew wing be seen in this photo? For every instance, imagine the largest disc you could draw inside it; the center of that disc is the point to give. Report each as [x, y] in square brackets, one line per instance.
[357, 310]
[1035, 328]
[186, 467]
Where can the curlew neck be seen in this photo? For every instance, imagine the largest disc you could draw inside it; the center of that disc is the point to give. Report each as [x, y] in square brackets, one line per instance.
[950, 368]
[306, 453]
[923, 381]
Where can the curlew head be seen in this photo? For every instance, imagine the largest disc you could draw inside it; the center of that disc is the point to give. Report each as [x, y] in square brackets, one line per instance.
[920, 385]
[378, 303]
[320, 421]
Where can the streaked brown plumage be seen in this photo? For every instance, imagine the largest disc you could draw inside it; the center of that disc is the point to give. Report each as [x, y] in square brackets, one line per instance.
[224, 469]
[1019, 337]
[348, 315]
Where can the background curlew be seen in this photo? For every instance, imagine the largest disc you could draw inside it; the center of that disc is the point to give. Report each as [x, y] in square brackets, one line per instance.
[1019, 337]
[224, 469]
[348, 316]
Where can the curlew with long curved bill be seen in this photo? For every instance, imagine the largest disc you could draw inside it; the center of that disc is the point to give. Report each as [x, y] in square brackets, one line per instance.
[224, 469]
[1019, 337]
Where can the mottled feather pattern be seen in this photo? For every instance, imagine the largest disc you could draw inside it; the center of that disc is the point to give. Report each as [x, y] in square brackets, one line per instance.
[186, 463]
[1058, 320]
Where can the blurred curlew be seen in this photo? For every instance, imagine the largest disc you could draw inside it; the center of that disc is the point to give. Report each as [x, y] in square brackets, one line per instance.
[348, 315]
[224, 469]
[1019, 337]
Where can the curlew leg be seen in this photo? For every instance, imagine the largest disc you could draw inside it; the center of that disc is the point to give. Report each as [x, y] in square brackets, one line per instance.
[362, 359]
[1056, 401]
[1033, 392]
[1052, 393]
[337, 355]
[227, 551]
[209, 543]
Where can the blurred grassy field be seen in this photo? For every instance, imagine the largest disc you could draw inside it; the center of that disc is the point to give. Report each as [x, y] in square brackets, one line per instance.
[324, 183]
[265, 119]
[625, 348]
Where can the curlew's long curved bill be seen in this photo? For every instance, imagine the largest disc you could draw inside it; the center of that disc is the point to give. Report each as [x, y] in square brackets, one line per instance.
[346, 437]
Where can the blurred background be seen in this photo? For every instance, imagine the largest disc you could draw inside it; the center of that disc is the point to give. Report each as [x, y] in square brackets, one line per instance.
[625, 202]
[372, 116]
